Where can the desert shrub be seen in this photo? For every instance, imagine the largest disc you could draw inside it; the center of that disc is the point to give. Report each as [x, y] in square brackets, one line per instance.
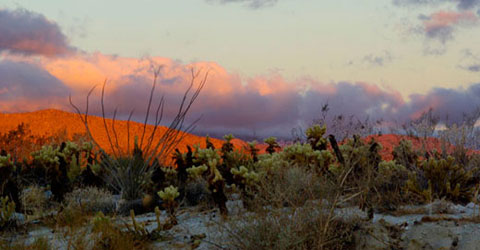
[20, 142]
[107, 235]
[291, 186]
[389, 186]
[39, 243]
[358, 173]
[8, 180]
[128, 175]
[71, 218]
[303, 228]
[405, 155]
[91, 200]
[34, 201]
[7, 210]
[443, 178]
[128, 171]
[197, 193]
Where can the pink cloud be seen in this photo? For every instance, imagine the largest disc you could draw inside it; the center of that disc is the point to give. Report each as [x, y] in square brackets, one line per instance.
[441, 25]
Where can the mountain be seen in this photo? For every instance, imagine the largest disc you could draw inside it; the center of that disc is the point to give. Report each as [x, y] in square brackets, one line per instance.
[52, 122]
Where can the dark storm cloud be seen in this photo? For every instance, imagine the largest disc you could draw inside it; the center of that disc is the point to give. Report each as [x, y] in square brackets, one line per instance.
[28, 33]
[19, 80]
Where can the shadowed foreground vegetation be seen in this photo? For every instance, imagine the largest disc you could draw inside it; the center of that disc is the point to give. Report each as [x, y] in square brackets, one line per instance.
[290, 194]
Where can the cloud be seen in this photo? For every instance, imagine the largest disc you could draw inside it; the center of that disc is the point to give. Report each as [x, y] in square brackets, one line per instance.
[460, 4]
[265, 104]
[469, 61]
[25, 86]
[379, 59]
[468, 4]
[254, 4]
[446, 103]
[28, 33]
[441, 25]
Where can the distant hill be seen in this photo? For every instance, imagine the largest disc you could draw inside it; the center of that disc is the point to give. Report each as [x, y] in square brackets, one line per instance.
[52, 122]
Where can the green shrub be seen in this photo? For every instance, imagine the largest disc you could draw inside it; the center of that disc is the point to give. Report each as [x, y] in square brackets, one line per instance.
[7, 210]
[438, 179]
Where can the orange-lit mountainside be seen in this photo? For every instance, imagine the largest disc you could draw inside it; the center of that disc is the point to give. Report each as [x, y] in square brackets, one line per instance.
[52, 122]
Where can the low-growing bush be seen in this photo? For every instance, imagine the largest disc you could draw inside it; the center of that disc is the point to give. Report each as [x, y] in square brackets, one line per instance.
[308, 227]
[442, 179]
[91, 200]
[35, 201]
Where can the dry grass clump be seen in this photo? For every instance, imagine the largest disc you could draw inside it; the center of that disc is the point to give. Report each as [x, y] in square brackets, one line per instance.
[91, 200]
[38, 244]
[290, 187]
[291, 208]
[309, 227]
[34, 201]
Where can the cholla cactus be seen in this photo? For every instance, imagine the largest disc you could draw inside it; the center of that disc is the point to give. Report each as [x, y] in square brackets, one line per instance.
[227, 146]
[443, 179]
[87, 146]
[245, 176]
[272, 144]
[390, 166]
[315, 137]
[208, 143]
[170, 173]
[304, 155]
[203, 156]
[47, 155]
[271, 162]
[228, 137]
[168, 195]
[5, 161]
[70, 149]
[252, 148]
[196, 172]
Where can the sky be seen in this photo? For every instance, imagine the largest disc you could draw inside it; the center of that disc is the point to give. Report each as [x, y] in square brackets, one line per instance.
[272, 63]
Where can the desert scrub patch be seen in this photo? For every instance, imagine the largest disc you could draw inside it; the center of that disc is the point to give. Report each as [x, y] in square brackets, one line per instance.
[304, 155]
[308, 227]
[35, 201]
[107, 235]
[291, 186]
[7, 211]
[91, 200]
[443, 178]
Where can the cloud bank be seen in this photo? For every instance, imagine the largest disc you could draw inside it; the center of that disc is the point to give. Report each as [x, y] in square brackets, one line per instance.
[264, 104]
[28, 33]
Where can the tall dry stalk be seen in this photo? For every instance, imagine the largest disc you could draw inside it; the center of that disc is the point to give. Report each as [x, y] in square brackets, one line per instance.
[128, 171]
